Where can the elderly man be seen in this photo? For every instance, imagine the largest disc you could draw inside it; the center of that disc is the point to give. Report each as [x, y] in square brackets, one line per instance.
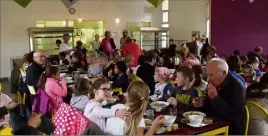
[36, 69]
[225, 96]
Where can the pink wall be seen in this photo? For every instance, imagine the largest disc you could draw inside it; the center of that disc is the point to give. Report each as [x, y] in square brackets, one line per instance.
[239, 25]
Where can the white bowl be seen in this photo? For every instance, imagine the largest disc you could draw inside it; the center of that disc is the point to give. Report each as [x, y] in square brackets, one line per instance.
[169, 120]
[68, 78]
[154, 98]
[195, 119]
[62, 74]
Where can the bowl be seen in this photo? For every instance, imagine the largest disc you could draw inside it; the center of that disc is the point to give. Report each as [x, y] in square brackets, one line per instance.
[68, 78]
[195, 119]
[169, 120]
[154, 98]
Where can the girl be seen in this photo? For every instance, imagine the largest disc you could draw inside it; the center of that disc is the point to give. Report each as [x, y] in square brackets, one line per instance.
[54, 86]
[129, 59]
[94, 68]
[120, 79]
[161, 77]
[82, 93]
[199, 83]
[94, 111]
[136, 103]
[184, 93]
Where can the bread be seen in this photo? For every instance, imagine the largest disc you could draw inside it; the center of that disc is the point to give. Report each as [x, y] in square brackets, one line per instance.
[184, 120]
[208, 120]
[175, 126]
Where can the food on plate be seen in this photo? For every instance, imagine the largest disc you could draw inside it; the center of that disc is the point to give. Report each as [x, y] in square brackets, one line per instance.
[169, 128]
[158, 105]
[184, 120]
[175, 126]
[148, 123]
[187, 114]
[161, 130]
[208, 120]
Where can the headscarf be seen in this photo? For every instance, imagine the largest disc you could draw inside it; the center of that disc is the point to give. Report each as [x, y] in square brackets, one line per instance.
[163, 73]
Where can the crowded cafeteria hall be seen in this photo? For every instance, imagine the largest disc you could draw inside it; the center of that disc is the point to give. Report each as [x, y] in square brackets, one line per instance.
[134, 67]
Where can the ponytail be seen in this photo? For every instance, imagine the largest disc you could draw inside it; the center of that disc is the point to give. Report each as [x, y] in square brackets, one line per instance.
[42, 81]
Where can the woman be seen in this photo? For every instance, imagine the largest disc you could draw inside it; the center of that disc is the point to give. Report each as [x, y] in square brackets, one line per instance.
[258, 92]
[106, 45]
[96, 43]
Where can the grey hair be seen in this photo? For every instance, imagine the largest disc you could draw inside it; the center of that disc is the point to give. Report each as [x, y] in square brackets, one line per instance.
[102, 55]
[221, 64]
[92, 54]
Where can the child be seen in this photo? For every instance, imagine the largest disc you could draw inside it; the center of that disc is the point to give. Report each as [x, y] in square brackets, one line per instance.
[184, 93]
[94, 68]
[136, 103]
[129, 61]
[94, 111]
[81, 96]
[248, 74]
[254, 61]
[120, 79]
[118, 56]
[199, 83]
[161, 77]
[54, 86]
[77, 62]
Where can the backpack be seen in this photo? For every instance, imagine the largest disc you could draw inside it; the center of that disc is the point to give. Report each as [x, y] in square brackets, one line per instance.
[42, 103]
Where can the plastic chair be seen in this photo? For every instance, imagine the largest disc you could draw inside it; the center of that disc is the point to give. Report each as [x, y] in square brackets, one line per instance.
[256, 112]
[247, 120]
[6, 132]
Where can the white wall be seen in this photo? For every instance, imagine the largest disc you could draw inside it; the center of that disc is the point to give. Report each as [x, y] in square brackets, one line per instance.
[186, 16]
[15, 20]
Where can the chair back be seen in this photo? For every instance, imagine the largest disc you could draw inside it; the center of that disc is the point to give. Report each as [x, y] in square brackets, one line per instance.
[256, 111]
[247, 120]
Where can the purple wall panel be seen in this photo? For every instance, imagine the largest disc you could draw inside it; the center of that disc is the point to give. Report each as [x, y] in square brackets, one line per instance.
[239, 25]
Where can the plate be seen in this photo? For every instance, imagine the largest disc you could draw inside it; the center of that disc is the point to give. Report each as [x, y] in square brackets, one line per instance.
[188, 113]
[196, 126]
[159, 104]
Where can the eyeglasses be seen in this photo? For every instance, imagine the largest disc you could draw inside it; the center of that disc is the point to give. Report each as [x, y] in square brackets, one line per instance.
[106, 89]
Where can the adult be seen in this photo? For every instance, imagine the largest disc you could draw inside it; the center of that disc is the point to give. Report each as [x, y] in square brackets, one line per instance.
[80, 48]
[124, 39]
[58, 43]
[225, 98]
[147, 70]
[172, 48]
[133, 49]
[235, 67]
[36, 69]
[199, 46]
[106, 45]
[256, 53]
[105, 64]
[193, 43]
[66, 46]
[192, 58]
[96, 43]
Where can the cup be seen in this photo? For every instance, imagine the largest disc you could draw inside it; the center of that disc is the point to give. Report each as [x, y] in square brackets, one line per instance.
[195, 119]
[173, 111]
[150, 114]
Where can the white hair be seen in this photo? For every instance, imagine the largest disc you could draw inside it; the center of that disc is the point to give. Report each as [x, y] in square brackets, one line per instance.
[221, 64]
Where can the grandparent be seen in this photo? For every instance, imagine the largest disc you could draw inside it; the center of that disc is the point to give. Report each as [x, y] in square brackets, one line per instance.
[225, 96]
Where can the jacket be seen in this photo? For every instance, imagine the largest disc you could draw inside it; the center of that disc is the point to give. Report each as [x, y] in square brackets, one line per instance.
[228, 105]
[134, 50]
[146, 73]
[79, 102]
[33, 73]
[14, 80]
[95, 113]
[56, 90]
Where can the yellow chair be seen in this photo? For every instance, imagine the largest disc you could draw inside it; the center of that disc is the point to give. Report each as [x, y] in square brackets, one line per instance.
[247, 120]
[117, 90]
[256, 111]
[6, 132]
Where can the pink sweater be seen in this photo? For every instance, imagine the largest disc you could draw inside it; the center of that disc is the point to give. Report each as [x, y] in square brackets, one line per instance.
[56, 91]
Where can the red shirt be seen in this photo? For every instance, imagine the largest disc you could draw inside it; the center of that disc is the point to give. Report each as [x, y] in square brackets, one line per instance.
[134, 50]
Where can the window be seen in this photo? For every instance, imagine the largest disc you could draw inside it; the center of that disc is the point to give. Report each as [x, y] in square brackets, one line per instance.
[165, 5]
[165, 16]
[165, 25]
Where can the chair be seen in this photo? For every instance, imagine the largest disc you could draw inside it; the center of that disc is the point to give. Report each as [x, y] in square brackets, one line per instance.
[247, 120]
[6, 132]
[256, 112]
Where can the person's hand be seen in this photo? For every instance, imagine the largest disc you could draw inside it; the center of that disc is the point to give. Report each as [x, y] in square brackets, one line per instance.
[198, 102]
[11, 105]
[172, 101]
[158, 121]
[35, 120]
[110, 73]
[123, 114]
[212, 91]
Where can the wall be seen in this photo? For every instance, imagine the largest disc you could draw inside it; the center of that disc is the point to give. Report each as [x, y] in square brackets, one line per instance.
[186, 16]
[15, 20]
[239, 25]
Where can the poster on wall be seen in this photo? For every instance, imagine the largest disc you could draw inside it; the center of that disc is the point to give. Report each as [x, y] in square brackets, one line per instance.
[69, 3]
[197, 33]
[23, 3]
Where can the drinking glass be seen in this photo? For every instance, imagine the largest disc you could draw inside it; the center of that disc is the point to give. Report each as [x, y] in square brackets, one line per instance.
[150, 114]
[173, 111]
